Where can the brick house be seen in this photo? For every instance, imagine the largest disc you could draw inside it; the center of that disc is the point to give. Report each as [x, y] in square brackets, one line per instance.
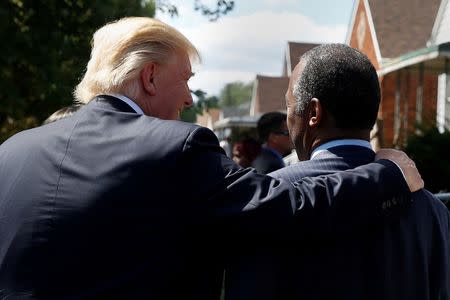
[268, 92]
[405, 40]
[268, 95]
[292, 56]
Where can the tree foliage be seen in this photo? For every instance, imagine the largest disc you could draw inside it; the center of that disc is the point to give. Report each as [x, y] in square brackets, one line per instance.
[202, 104]
[430, 151]
[46, 46]
[221, 8]
[45, 50]
[235, 93]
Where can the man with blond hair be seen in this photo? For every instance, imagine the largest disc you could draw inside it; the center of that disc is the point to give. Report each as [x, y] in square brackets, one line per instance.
[121, 201]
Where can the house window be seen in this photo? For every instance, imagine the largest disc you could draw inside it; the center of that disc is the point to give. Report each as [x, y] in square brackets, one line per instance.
[447, 96]
[443, 101]
[397, 120]
[419, 96]
[442, 104]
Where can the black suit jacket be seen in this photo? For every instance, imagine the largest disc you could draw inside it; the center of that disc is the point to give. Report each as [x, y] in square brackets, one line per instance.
[109, 204]
[406, 255]
[267, 162]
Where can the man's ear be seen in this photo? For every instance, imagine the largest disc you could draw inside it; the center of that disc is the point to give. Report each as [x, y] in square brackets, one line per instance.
[315, 112]
[147, 78]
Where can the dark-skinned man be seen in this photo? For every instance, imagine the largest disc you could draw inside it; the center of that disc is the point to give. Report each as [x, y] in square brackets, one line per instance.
[332, 104]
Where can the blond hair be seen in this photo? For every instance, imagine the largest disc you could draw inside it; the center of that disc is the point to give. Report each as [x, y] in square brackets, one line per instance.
[121, 49]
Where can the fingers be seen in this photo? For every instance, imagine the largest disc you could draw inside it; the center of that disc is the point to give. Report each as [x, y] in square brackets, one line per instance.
[407, 166]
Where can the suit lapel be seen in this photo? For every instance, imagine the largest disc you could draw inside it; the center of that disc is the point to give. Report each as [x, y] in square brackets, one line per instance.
[110, 102]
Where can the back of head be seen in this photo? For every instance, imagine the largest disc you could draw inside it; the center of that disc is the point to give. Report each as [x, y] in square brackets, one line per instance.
[268, 123]
[119, 51]
[345, 82]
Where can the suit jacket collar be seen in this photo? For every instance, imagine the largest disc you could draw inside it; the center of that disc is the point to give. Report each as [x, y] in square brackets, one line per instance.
[340, 142]
[110, 102]
[348, 152]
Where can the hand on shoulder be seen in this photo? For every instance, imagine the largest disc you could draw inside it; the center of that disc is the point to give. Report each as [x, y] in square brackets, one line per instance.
[406, 165]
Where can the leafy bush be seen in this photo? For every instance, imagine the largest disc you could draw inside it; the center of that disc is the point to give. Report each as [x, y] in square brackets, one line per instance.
[431, 152]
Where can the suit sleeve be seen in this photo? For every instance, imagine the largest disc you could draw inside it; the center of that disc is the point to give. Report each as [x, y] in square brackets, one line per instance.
[250, 203]
[342, 202]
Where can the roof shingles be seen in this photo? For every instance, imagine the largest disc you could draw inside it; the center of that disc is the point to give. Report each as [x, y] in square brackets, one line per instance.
[295, 50]
[402, 25]
[269, 94]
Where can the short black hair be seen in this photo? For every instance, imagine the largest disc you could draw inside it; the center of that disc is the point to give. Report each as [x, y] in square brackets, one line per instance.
[269, 122]
[345, 82]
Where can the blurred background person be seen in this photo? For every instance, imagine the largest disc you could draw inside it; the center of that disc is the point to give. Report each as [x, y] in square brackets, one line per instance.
[245, 152]
[274, 134]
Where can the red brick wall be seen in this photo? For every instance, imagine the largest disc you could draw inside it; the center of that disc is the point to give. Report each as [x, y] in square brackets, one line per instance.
[409, 81]
[430, 99]
[368, 46]
[387, 107]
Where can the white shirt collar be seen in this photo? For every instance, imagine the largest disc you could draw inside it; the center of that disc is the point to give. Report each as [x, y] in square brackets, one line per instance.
[130, 102]
[343, 142]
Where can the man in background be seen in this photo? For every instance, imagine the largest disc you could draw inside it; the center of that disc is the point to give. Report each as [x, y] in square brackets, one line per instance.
[245, 152]
[273, 133]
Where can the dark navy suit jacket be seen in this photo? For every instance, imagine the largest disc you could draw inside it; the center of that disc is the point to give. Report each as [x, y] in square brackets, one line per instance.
[403, 256]
[267, 161]
[109, 204]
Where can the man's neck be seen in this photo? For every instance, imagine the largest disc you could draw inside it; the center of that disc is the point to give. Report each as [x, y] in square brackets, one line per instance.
[130, 102]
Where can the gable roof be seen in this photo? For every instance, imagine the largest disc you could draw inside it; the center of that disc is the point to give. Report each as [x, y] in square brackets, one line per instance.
[361, 32]
[402, 25]
[441, 28]
[268, 94]
[292, 55]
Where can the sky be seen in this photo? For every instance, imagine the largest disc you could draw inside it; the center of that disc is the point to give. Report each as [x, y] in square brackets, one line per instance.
[252, 38]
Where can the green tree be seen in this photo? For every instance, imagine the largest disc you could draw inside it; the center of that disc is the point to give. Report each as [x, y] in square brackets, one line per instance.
[202, 104]
[235, 93]
[46, 47]
[430, 151]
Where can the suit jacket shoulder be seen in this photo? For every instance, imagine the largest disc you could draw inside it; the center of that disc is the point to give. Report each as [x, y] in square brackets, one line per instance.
[374, 259]
[267, 162]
